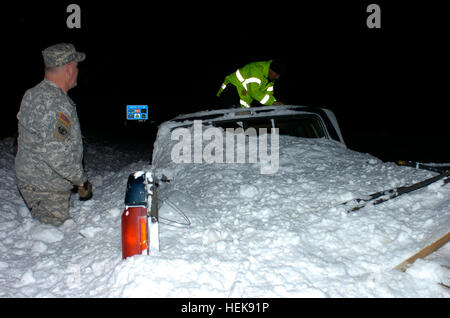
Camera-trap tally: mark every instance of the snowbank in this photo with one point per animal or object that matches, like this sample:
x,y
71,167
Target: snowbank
x,y
250,235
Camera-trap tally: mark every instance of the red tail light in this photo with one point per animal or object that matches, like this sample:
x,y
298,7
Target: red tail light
x,y
134,232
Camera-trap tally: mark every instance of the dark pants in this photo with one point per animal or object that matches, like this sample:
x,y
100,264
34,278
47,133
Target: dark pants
x,y
229,97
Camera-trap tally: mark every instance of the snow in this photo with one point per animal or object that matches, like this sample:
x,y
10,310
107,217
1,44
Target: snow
x,y
47,234
229,231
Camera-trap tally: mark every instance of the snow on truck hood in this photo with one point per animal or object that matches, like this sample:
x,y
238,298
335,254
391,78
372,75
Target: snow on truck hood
x,y
251,234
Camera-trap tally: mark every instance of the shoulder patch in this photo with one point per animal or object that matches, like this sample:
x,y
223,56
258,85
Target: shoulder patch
x,y
61,131
64,119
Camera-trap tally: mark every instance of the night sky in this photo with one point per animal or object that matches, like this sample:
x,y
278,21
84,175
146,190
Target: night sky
x,y
386,86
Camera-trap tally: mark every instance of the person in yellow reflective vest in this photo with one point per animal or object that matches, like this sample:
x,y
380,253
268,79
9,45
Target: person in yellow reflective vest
x,y
252,82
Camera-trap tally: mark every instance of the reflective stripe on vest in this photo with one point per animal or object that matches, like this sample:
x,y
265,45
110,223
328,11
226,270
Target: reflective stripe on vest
x,y
265,99
251,80
244,103
239,76
248,80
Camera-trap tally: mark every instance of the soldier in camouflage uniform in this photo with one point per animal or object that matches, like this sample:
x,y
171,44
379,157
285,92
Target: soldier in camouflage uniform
x,y
50,148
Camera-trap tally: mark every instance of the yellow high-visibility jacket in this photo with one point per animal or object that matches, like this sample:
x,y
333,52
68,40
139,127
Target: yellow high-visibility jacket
x,y
251,82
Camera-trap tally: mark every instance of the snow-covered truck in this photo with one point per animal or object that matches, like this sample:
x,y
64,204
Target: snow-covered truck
x,y
285,176
297,121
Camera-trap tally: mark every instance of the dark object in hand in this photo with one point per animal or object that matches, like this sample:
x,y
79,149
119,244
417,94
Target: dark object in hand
x,y
85,191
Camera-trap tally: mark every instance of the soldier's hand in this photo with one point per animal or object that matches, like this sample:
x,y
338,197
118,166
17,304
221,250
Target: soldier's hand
x,y
85,191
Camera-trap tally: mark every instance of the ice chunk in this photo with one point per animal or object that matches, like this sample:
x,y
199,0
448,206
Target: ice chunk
x,y
47,234
90,231
248,191
39,247
114,212
28,278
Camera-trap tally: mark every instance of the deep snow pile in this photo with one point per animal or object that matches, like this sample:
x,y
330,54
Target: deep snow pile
x,y
253,235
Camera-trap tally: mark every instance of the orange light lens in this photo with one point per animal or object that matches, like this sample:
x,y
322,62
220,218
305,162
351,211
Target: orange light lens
x,y
143,243
134,232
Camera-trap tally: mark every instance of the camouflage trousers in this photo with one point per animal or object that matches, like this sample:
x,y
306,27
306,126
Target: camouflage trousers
x,y
47,207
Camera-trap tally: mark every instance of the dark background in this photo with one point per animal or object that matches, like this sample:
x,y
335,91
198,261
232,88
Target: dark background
x,y
386,86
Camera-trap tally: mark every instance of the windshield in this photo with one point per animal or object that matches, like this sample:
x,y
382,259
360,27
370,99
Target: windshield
x,y
306,126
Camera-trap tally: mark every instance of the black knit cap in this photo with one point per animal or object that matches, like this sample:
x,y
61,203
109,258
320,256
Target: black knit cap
x,y
277,66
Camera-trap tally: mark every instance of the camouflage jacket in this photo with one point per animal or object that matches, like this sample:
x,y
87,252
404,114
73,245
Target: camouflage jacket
x,y
50,146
